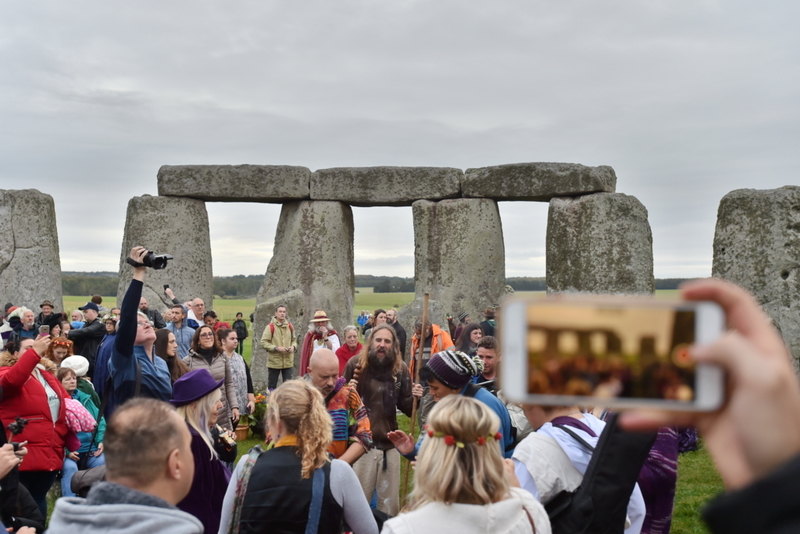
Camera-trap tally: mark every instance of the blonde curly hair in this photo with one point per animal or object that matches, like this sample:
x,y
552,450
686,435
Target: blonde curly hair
x,y
301,409
468,473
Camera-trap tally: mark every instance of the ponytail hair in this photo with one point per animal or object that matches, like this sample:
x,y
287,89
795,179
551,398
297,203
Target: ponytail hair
x,y
301,409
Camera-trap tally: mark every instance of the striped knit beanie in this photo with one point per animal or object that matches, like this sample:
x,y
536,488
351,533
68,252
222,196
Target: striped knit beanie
x,y
453,368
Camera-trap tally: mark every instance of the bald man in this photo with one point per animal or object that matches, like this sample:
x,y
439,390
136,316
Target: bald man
x,y
352,436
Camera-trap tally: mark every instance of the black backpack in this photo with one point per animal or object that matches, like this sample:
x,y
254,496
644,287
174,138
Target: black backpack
x,y
599,505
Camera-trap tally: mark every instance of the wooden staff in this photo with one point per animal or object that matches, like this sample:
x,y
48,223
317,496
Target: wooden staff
x,y
417,362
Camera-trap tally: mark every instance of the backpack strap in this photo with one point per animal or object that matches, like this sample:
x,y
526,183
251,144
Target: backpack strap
x,y
315,510
472,390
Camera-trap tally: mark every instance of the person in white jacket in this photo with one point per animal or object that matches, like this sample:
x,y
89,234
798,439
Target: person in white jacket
x,y
463,484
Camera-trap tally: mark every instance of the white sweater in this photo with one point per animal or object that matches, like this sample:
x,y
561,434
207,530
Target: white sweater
x,y
505,517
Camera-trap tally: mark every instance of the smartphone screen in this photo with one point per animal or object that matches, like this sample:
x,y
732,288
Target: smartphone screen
x,y
618,351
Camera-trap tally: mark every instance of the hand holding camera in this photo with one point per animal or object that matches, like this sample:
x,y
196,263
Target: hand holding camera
x,y
141,257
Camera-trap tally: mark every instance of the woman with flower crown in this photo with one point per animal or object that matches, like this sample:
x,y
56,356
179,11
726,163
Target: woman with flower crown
x,y
463,484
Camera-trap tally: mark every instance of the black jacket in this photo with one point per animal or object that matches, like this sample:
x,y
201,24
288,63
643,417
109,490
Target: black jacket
x,y
87,339
768,506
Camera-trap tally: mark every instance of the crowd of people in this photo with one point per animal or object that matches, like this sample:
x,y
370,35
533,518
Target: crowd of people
x,y
152,403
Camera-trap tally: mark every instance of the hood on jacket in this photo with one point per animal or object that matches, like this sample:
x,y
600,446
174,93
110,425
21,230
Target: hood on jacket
x,y
7,360
115,508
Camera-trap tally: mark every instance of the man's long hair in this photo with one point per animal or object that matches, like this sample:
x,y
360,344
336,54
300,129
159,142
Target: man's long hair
x,y
363,358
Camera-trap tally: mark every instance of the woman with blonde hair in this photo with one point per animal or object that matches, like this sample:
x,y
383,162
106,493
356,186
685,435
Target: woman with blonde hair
x,y
295,484
462,482
197,397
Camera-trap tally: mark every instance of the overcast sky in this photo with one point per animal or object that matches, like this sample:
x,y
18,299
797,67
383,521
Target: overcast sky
x,y
686,100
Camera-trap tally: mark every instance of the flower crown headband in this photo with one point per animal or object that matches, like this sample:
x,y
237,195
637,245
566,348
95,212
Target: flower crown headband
x,y
451,440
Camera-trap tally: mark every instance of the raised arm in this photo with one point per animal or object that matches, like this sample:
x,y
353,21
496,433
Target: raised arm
x,y
126,329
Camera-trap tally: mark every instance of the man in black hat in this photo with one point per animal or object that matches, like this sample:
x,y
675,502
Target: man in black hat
x,y
47,317
88,338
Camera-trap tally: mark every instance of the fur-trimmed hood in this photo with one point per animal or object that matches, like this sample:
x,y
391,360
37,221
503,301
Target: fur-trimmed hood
x,y
7,360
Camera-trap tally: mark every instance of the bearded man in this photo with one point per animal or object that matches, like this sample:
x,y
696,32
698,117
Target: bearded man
x,y
384,384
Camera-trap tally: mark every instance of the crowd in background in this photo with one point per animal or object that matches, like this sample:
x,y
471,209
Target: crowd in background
x,y
134,410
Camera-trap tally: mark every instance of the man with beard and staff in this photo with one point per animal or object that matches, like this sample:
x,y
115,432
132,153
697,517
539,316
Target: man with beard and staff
x,y
384,384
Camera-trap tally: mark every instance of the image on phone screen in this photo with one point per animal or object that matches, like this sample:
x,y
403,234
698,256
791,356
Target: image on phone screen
x,y
611,352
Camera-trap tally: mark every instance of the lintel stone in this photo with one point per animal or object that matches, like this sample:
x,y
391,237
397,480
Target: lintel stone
x,y
537,181
385,186
235,183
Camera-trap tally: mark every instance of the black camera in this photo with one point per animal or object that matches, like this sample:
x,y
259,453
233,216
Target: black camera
x,y
152,260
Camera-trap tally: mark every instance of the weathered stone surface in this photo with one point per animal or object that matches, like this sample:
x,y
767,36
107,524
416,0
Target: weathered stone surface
x,y
175,226
537,181
313,253
757,246
599,243
459,257
235,183
30,267
385,186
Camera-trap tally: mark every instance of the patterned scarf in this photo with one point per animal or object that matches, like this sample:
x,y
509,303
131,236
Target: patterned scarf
x,y
241,488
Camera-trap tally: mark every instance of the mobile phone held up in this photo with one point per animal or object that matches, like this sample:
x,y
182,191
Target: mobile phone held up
x,y
619,352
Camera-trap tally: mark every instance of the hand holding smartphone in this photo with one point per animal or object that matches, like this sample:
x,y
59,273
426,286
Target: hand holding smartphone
x,y
610,351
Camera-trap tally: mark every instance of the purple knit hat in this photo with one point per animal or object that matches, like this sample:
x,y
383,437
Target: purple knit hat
x,y
453,368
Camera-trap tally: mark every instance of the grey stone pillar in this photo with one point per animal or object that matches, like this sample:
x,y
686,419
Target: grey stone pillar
x,y
311,267
757,246
459,258
30,268
175,226
599,243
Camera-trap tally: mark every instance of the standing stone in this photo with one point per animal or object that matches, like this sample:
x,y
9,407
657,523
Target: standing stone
x,y
757,246
313,253
537,181
174,226
459,258
30,267
599,243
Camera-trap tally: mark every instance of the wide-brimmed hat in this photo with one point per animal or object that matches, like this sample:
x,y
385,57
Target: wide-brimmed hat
x,y
47,303
320,317
192,386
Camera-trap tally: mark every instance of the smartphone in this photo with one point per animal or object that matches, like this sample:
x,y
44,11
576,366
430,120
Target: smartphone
x,y
610,351
166,286
44,330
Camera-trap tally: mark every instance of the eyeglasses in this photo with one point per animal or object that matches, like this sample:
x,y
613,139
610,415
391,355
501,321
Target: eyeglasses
x,y
142,325
207,334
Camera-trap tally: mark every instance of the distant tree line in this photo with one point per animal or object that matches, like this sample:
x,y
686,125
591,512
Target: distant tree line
x,y
247,286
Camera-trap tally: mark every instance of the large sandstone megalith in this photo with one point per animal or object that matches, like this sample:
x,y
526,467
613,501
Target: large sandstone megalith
x,y
385,186
757,246
30,267
312,256
537,181
175,226
599,243
235,183
459,258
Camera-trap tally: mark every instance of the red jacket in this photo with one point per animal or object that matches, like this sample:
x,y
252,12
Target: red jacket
x,y
24,396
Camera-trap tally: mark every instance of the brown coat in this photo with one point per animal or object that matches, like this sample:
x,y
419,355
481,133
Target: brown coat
x,y
383,394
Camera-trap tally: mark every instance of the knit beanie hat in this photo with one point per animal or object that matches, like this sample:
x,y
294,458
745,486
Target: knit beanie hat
x,y
453,368
463,315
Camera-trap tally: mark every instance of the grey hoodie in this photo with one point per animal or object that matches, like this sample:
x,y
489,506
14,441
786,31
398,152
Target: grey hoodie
x,y
114,508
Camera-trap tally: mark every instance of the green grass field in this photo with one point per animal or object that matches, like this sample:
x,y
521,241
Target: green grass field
x,y
698,480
